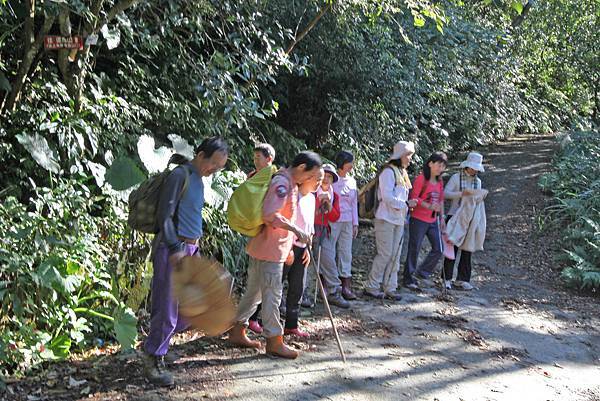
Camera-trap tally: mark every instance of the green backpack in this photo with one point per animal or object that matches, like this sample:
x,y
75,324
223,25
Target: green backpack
x,y
244,210
143,202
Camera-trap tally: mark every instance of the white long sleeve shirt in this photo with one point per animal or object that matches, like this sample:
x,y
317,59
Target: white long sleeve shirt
x,y
392,199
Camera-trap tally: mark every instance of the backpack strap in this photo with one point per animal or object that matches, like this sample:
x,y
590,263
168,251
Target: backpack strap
x,y
186,182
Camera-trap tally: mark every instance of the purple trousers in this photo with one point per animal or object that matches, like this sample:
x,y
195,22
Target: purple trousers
x,y
164,318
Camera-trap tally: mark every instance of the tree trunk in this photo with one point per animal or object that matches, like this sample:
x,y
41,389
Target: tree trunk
x,y
28,58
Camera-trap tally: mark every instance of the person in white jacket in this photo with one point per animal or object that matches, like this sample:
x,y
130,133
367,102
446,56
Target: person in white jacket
x,y
459,186
392,193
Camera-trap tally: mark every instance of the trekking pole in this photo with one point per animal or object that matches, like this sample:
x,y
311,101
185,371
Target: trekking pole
x,y
326,303
442,249
318,267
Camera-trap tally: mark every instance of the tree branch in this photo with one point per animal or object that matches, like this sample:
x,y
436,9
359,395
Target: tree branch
x,y
26,63
63,61
308,28
29,36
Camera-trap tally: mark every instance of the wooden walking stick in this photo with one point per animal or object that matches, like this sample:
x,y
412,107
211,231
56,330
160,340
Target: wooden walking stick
x,y
328,308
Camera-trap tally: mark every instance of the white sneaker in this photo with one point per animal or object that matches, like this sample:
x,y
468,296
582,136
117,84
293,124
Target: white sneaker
x,y
448,284
464,285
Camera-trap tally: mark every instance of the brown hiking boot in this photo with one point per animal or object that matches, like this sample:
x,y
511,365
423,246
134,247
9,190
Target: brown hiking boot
x,y
237,336
156,371
347,288
276,347
337,300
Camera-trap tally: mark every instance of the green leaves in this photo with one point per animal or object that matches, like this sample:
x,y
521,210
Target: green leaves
x,y
517,6
61,346
39,149
125,327
124,174
575,187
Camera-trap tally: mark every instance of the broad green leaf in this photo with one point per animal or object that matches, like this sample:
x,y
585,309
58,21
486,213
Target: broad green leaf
x,y
125,327
61,346
124,174
41,152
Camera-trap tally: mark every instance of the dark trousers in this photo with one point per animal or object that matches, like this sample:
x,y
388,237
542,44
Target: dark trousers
x,y
418,229
464,264
295,278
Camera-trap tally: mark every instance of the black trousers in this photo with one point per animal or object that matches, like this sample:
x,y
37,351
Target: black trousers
x,y
295,277
464,264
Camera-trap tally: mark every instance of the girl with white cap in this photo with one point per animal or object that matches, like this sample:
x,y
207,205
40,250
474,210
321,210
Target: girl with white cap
x,y
392,192
460,185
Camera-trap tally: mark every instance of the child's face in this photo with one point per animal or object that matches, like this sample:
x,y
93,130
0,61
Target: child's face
x,y
327,181
260,161
437,168
312,183
346,168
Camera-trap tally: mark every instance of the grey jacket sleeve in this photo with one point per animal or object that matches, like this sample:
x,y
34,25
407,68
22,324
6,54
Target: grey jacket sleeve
x,y
167,206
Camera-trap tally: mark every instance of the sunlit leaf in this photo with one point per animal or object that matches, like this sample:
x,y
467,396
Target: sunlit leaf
x,y
41,152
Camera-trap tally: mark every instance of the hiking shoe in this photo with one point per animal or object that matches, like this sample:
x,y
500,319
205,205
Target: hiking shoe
x,y
172,357
156,371
393,295
425,282
448,284
296,332
412,286
374,294
337,300
307,303
463,285
254,326
347,288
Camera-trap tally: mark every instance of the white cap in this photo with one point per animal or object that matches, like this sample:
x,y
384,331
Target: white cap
x,y
475,161
402,148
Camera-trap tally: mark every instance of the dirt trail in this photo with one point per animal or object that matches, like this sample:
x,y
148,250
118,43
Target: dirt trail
x,y
520,335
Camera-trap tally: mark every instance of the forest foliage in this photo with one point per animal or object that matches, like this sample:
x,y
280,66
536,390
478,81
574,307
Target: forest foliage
x,y
79,128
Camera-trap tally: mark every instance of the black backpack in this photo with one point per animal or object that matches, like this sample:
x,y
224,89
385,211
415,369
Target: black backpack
x,y
143,201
